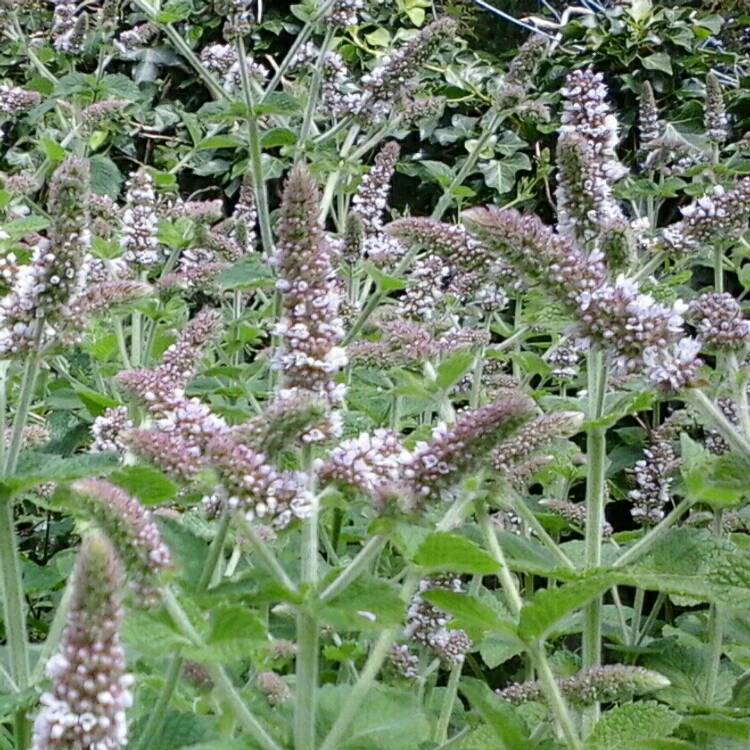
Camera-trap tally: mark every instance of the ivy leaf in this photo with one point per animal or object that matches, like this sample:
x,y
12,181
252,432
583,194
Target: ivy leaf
x,y
441,551
658,61
625,726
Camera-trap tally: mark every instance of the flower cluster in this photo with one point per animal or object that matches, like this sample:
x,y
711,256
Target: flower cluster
x,y
533,435
346,13
610,683
719,321
371,199
14,100
310,328
404,661
135,536
108,430
643,334
68,28
223,60
273,687
574,514
719,216
394,72
715,119
653,478
650,125
428,625
57,272
90,693
253,486
137,37
367,462
140,247
455,449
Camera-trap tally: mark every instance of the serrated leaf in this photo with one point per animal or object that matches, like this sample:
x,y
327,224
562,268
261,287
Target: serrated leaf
x,y
623,727
549,606
367,604
471,613
249,273
441,551
721,726
37,468
106,178
278,103
389,718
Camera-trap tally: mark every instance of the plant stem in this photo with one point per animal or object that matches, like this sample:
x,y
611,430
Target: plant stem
x,y
306,685
156,718
555,697
645,543
446,710
223,684
716,633
313,90
266,556
596,454
367,677
714,417
468,165
333,179
355,568
256,157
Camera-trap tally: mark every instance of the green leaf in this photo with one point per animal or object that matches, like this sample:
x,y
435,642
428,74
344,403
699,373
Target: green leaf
x,y
37,468
278,103
20,228
248,273
378,38
106,178
658,61
451,370
147,483
390,719
52,150
471,614
385,282
220,141
623,727
367,604
501,174
278,137
549,606
721,726
10,703
639,10
507,726
121,86
441,551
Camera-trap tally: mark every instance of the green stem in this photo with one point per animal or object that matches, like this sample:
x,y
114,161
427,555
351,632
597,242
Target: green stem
x,y
635,624
362,687
532,521
468,165
645,543
313,90
333,179
266,556
354,569
158,714
306,685
256,157
222,683
596,454
715,418
555,697
716,633
449,699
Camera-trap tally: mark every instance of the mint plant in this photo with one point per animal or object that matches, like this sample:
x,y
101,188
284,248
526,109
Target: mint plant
x,y
362,389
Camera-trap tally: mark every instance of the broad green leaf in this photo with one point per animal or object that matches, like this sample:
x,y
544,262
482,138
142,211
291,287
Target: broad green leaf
x,y
471,613
12,702
249,273
721,726
390,719
147,483
507,726
623,727
36,468
452,369
549,606
385,282
367,604
449,552
220,141
278,103
106,178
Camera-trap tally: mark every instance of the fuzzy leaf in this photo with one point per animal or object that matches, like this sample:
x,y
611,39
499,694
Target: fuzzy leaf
x,y
148,484
507,726
549,606
453,553
623,727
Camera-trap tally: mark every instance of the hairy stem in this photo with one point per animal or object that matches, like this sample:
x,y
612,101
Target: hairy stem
x,y
596,454
355,568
